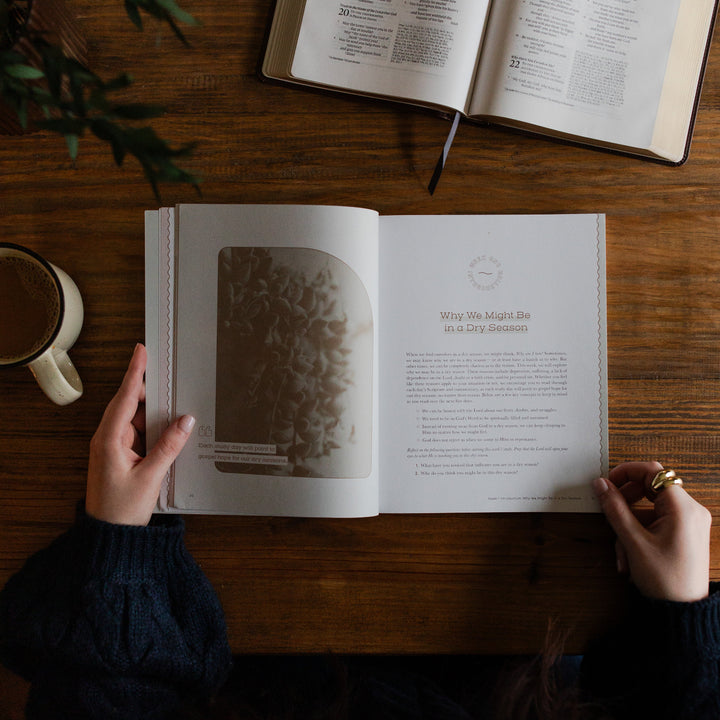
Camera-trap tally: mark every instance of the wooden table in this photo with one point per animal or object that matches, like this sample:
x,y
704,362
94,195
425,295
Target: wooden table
x,y
456,584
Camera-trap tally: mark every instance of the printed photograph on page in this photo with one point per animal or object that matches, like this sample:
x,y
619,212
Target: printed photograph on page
x,y
294,364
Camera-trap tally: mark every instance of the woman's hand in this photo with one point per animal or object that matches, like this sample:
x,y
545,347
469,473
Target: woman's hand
x,y
669,556
123,486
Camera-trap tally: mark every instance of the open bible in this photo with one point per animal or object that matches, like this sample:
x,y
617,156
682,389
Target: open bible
x,y
620,75
340,363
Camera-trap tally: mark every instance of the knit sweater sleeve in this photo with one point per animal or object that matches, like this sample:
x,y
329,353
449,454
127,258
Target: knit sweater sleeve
x,y
663,662
113,621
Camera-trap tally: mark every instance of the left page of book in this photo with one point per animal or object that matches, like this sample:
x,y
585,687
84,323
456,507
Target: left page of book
x,y
274,354
412,51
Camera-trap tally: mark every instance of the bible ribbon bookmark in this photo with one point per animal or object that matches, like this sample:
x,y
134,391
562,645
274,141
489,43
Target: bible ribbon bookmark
x,y
443,155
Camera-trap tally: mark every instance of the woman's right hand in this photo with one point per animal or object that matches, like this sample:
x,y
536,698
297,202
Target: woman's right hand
x,y
667,557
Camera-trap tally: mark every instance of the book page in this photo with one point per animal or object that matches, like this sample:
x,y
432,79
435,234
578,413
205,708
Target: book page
x,y
417,50
589,68
159,301
154,420
493,363
683,78
275,345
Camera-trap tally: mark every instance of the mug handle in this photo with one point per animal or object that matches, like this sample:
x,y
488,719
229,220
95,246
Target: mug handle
x,y
57,376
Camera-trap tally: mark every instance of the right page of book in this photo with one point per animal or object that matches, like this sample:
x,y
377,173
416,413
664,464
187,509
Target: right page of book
x,y
493,380
591,69
416,51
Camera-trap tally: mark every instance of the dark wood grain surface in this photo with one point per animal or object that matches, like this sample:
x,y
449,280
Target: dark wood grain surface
x,y
459,583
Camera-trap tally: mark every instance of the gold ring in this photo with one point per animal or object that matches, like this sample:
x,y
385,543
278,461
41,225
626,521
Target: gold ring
x,y
664,479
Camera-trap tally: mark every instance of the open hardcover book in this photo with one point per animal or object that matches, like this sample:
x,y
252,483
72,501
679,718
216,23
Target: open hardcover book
x,y
621,75
341,364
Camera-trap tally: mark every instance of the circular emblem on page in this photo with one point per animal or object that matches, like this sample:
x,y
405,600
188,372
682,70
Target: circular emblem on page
x,y
485,272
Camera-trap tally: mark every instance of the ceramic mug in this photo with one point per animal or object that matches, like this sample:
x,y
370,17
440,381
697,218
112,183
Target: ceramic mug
x,y
41,313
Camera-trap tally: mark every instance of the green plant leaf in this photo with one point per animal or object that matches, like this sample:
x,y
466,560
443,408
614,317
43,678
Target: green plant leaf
x,y
10,57
72,142
111,133
23,72
63,125
98,101
178,32
177,12
167,10
77,70
77,92
106,130
73,99
133,14
118,152
54,69
22,114
122,81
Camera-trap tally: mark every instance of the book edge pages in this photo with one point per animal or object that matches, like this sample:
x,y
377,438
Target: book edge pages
x,y
159,306
679,100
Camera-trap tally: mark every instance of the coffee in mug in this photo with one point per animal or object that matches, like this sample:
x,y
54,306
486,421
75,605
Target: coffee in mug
x,y
41,314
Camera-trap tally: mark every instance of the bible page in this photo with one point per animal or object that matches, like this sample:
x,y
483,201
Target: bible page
x,y
585,68
421,51
493,380
274,355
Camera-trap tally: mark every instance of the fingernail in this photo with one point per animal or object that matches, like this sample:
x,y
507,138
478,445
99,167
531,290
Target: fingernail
x,y
600,486
186,423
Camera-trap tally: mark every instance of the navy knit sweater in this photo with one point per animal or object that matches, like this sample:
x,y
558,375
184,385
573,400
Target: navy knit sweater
x,y
113,621
119,622
663,662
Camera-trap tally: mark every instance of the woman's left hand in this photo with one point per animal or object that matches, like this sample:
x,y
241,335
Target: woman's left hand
x,y
123,485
